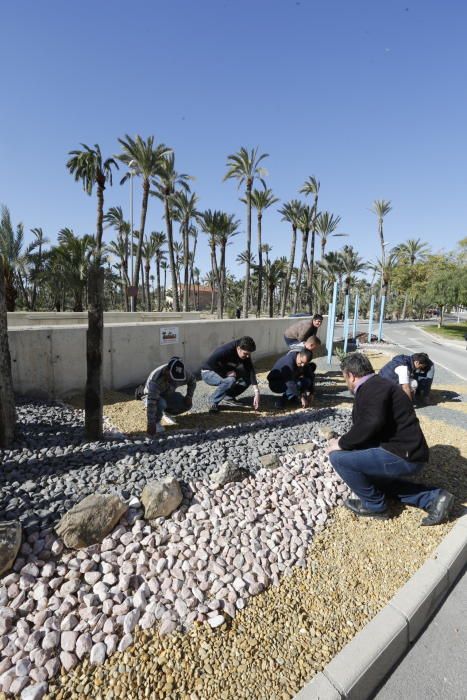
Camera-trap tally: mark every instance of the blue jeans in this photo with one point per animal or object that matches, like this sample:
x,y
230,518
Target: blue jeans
x,y
291,389
290,341
373,474
226,386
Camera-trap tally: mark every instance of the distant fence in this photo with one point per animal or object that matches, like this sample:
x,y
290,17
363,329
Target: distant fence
x,y
50,362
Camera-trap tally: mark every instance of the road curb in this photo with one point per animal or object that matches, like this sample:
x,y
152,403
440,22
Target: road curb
x,y
441,339
357,671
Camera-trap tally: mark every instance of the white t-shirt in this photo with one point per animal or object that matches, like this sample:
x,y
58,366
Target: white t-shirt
x,y
403,373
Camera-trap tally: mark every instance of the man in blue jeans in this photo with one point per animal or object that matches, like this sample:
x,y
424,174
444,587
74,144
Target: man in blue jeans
x,y
231,371
384,444
293,376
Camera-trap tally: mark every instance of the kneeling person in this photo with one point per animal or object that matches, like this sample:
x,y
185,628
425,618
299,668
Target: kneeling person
x,y
293,376
231,370
160,393
414,373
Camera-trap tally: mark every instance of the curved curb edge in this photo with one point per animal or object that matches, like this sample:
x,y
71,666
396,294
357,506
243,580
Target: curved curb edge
x,y
360,667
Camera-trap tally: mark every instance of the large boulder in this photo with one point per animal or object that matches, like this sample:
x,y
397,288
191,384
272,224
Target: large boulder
x,y
161,498
10,542
90,520
229,472
270,461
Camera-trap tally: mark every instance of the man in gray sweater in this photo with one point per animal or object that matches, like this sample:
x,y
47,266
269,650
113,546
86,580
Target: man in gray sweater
x,y
160,393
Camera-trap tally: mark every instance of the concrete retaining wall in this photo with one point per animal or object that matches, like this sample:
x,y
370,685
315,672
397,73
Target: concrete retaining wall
x,y
26,319
51,362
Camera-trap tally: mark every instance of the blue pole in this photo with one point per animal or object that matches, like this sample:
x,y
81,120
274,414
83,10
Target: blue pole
x,y
370,319
355,317
332,323
346,321
381,317
329,325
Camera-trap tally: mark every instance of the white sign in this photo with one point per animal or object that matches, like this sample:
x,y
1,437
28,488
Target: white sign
x,y
169,335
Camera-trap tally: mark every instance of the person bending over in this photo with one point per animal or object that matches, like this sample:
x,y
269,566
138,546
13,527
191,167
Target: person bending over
x,y
160,394
384,445
231,371
414,373
302,330
293,376
312,344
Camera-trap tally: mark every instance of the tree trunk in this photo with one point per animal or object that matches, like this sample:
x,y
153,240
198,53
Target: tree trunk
x,y
158,276
271,301
260,267
289,271
246,288
139,249
186,266
173,268
7,399
300,270
99,223
309,282
147,269
222,279
93,402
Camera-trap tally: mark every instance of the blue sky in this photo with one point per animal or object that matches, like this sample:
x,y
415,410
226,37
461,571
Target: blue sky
x,y
369,96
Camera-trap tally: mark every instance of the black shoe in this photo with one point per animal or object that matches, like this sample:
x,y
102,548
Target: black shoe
x,y
214,408
230,401
439,509
357,507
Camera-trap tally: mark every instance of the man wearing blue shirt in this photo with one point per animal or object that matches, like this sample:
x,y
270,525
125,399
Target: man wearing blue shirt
x,y
293,377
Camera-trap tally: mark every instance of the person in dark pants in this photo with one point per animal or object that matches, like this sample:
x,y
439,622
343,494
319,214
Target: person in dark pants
x,y
414,373
302,330
384,445
231,371
293,376
159,394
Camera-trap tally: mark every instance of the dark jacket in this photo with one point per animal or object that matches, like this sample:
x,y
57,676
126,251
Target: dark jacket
x,y
383,416
285,369
388,371
225,359
301,331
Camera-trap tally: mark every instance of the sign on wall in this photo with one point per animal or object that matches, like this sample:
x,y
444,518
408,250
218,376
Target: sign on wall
x,y
169,335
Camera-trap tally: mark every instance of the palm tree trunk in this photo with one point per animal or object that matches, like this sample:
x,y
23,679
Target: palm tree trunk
x,y
271,301
173,268
139,249
99,223
186,278
260,268
309,282
93,401
7,399
158,276
147,269
300,270
289,270
246,288
222,280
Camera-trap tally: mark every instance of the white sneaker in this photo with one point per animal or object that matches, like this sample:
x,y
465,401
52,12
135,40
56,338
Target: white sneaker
x,y
167,420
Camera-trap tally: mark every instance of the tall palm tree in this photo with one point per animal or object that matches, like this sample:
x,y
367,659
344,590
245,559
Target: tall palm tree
x,y
118,249
326,224
266,249
244,166
184,210
150,247
381,208
11,251
210,224
409,252
291,212
89,167
144,158
115,219
7,398
228,227
193,232
164,267
160,240
75,254
37,259
260,200
274,273
166,180
351,264
311,187
305,223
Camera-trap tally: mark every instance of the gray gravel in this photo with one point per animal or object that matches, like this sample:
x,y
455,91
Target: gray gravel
x,y
51,466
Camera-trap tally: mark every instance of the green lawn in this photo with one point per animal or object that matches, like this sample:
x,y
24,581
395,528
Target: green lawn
x,y
450,330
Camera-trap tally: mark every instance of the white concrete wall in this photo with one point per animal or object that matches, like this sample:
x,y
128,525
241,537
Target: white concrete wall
x,y
27,319
51,362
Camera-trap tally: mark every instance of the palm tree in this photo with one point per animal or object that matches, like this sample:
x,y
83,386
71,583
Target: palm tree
x,y
74,254
274,273
305,222
37,260
410,251
210,224
381,208
166,181
119,250
311,187
266,249
164,267
244,166
159,239
228,227
145,160
150,247
261,200
184,210
351,264
291,212
326,224
7,398
87,165
115,219
11,245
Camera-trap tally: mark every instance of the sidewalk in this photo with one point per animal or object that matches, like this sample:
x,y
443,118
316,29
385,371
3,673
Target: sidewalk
x,y
436,665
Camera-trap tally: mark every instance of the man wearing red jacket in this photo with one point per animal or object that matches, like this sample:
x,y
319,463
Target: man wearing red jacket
x,y
384,445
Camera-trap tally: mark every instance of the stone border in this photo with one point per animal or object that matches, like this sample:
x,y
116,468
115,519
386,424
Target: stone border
x,y
361,666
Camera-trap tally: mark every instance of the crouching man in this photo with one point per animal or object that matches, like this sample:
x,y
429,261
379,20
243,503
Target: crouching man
x,y
384,445
160,394
414,373
293,376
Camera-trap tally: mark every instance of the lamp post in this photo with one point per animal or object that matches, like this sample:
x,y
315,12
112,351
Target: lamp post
x,y
131,164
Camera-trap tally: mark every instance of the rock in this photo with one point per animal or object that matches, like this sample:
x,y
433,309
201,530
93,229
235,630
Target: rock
x,y
35,692
327,433
83,645
68,660
228,473
304,447
90,520
216,621
125,642
270,461
10,542
68,640
98,654
23,666
161,498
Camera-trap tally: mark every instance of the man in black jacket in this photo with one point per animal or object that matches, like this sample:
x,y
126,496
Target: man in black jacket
x,y
231,370
384,443
293,376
